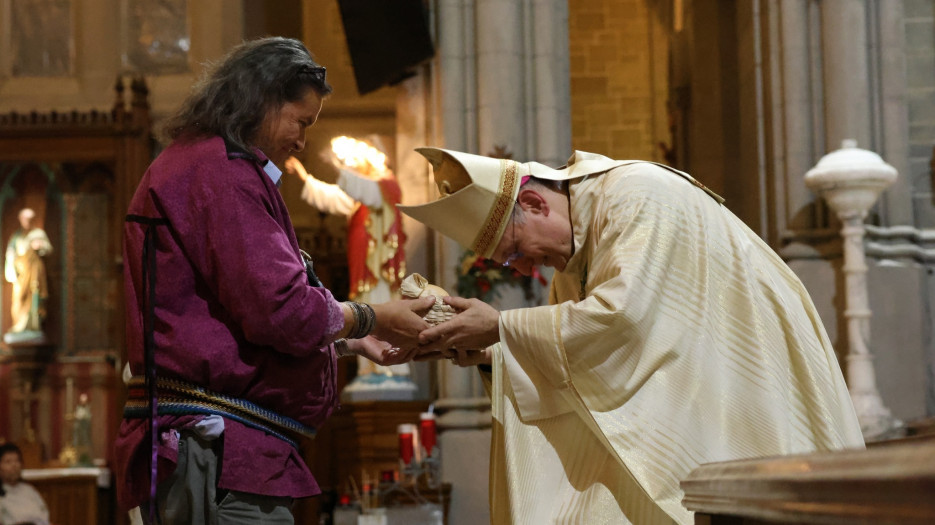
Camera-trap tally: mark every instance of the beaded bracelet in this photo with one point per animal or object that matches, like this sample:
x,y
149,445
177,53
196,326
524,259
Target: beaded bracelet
x,y
365,319
355,326
371,318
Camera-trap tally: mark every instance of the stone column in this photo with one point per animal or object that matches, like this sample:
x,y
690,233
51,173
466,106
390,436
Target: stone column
x,y
797,140
846,71
896,205
548,106
502,68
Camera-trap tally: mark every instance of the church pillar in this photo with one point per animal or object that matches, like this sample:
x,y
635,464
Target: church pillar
x,y
864,73
548,113
896,204
797,136
844,59
502,75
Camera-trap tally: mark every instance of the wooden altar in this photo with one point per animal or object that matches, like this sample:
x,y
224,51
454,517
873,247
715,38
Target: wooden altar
x,y
75,495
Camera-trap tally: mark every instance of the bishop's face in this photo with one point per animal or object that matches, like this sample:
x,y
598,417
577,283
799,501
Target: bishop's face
x,y
540,239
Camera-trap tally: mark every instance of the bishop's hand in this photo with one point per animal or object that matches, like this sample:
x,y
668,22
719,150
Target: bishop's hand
x,y
475,327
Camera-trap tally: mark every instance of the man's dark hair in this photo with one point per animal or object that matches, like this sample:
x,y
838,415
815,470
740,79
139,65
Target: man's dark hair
x,y
5,449
254,79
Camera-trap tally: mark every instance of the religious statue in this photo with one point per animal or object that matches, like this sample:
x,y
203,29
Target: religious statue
x,y
81,432
367,192
26,270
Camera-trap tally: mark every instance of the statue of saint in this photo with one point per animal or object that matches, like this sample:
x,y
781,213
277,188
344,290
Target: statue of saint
x,y
26,270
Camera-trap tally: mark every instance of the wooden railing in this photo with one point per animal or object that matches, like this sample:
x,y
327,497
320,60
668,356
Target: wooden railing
x,y
892,482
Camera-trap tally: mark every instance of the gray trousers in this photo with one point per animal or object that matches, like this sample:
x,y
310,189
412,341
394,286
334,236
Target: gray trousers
x,y
190,495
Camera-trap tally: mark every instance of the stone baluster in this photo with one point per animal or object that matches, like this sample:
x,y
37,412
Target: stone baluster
x,y
850,180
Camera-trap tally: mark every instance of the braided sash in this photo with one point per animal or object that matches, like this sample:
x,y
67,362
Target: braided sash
x,y
181,398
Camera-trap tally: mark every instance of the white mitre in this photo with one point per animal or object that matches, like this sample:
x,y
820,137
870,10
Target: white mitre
x,y
478,193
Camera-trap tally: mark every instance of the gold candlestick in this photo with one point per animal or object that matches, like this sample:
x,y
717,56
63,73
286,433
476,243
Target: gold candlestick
x,y
69,456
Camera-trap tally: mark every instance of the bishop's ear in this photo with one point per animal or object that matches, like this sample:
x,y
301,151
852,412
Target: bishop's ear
x,y
532,201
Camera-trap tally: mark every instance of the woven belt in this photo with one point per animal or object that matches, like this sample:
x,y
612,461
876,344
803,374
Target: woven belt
x,y
180,398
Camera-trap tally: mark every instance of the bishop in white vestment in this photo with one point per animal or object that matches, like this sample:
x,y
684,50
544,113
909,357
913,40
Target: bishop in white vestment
x,y
674,337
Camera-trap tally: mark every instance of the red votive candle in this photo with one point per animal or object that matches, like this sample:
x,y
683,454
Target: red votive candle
x,y
427,429
405,432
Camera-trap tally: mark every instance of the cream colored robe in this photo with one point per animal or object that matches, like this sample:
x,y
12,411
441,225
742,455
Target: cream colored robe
x,y
675,337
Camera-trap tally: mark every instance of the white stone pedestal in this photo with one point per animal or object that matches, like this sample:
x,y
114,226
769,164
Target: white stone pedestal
x,y
850,180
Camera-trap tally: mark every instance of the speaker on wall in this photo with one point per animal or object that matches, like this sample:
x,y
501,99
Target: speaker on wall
x,y
386,40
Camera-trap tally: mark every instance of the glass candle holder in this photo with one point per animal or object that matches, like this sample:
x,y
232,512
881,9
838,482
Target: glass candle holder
x,y
406,433
427,431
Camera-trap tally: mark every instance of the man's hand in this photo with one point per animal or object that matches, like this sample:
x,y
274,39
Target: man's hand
x,y
400,322
380,352
476,326
296,168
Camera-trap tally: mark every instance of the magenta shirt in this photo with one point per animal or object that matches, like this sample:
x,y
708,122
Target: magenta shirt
x,y
234,314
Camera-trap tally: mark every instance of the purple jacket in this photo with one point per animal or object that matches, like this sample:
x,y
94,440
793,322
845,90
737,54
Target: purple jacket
x,y
234,314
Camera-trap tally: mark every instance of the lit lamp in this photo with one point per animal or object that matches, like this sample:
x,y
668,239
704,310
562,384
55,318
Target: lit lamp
x,y
850,180
358,155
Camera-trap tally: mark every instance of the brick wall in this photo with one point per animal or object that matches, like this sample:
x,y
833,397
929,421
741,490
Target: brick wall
x,y
619,81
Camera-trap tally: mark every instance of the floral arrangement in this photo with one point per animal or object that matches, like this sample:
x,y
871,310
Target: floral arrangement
x,y
482,278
